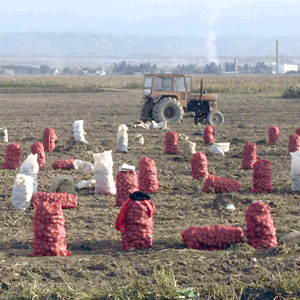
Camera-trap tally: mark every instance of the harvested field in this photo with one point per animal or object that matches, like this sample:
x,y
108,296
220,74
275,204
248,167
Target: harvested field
x,y
97,268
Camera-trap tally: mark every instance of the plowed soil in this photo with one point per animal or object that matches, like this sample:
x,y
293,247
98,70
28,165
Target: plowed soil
x,y
97,262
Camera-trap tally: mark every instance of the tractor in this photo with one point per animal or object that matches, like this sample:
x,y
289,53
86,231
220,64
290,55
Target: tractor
x,y
167,97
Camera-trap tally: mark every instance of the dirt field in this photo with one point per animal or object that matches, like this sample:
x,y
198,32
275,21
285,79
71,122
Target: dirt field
x,y
97,268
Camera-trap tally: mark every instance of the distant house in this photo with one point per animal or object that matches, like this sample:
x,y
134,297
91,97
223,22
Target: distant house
x,y
282,69
56,71
102,72
9,72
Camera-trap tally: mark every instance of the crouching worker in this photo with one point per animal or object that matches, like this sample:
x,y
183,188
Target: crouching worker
x,y
135,222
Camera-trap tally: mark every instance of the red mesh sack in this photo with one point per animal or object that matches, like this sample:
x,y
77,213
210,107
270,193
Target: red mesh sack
x,y
213,237
171,142
147,175
294,142
64,164
274,135
12,156
221,185
260,230
135,222
262,177
199,166
297,131
126,183
38,148
65,199
49,230
208,134
49,139
249,156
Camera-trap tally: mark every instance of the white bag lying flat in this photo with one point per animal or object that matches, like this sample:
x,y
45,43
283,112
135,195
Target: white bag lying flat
x,y
22,191
223,146
86,184
216,150
126,167
82,165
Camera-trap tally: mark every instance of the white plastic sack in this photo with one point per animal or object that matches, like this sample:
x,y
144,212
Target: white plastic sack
x,y
3,135
295,170
122,138
224,146
103,172
30,167
22,191
82,165
291,239
78,131
139,139
189,148
86,184
126,167
216,150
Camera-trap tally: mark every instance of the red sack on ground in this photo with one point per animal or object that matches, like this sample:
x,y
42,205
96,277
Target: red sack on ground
x,y
171,142
38,148
260,230
213,237
249,156
297,131
135,222
12,156
221,185
126,183
65,199
294,142
147,176
64,164
208,134
49,231
49,139
262,177
199,166
274,135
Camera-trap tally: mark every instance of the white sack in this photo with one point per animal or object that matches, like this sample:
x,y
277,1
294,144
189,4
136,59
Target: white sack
x,y
216,150
103,172
295,170
3,135
31,168
22,192
223,146
189,148
78,131
82,165
86,184
122,138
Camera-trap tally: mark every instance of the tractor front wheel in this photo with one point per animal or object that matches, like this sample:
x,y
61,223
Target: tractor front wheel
x,y
168,109
146,111
215,117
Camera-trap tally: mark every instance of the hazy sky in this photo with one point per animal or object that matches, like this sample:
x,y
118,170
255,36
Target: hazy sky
x,y
185,17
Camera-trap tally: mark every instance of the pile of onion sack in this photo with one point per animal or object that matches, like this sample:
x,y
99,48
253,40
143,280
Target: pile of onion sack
x,y
38,148
262,177
126,183
65,199
64,164
294,142
213,237
220,185
49,230
12,156
249,156
147,176
171,142
49,139
199,166
260,232
135,222
208,134
274,135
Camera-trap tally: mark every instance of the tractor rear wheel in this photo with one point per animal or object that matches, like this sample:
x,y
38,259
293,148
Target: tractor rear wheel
x,y
168,109
146,111
215,117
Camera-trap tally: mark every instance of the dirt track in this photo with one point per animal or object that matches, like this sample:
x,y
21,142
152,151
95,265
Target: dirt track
x,y
96,262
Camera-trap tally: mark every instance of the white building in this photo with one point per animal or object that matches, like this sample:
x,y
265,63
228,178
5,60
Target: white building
x,y
282,69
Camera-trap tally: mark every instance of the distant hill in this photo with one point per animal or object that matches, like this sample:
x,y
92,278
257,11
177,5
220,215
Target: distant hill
x,y
134,46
